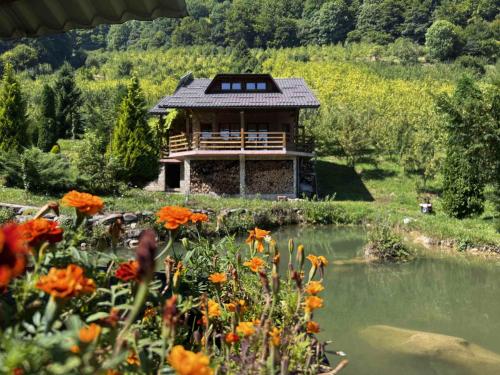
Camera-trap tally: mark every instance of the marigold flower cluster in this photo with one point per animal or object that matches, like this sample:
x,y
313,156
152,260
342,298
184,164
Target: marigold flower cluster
x,y
128,271
84,203
38,231
255,264
257,236
66,282
13,253
173,217
186,362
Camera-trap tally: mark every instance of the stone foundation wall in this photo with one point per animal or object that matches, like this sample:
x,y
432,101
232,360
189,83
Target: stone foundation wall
x,y
215,176
269,177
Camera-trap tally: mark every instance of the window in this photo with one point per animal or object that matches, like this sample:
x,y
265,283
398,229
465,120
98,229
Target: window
x,y
251,86
261,86
236,86
226,86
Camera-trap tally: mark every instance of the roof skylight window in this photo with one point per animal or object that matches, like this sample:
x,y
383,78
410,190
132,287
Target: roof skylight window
x,y
261,86
236,86
226,86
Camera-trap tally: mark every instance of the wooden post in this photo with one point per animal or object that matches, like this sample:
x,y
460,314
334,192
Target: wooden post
x,y
242,129
284,141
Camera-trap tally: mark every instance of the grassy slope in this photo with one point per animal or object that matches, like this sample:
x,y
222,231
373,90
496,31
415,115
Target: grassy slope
x,y
390,193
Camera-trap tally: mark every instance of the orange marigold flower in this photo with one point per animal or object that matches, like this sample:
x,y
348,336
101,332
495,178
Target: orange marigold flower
x,y
133,359
173,216
213,311
38,231
85,203
90,333
315,262
113,372
149,313
255,264
313,302
275,336
231,338
233,306
186,362
13,253
75,349
128,271
314,287
18,371
312,327
66,282
199,218
257,235
245,328
217,278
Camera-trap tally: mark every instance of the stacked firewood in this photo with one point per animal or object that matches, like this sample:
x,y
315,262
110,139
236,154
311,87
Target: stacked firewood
x,y
215,177
269,177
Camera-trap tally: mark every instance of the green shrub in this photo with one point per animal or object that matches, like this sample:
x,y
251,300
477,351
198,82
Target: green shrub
x,y
45,172
443,40
386,245
6,215
97,173
10,169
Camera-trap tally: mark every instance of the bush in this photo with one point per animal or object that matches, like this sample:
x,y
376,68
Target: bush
x,y
386,245
98,173
6,215
443,40
45,172
474,64
10,170
405,51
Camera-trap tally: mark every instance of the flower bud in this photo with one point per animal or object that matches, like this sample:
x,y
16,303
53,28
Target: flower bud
x,y
276,282
291,246
146,251
300,257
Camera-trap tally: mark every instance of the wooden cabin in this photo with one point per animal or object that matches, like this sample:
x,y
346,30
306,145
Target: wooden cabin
x,y
241,136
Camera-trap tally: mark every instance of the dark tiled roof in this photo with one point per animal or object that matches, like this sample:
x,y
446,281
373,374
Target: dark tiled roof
x,y
295,94
20,18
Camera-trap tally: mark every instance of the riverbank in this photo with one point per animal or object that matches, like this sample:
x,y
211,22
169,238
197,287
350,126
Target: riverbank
x,y
350,196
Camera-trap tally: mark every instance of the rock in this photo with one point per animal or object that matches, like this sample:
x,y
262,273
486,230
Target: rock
x,y
133,233
111,218
133,243
49,216
129,217
133,225
433,346
407,220
83,245
23,218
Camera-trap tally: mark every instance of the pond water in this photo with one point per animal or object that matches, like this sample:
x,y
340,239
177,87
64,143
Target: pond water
x,y
435,293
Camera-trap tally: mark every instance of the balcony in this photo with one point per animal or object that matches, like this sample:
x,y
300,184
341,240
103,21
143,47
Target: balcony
x,y
230,143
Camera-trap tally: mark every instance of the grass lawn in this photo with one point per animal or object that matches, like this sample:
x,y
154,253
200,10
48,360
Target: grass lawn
x,y
364,193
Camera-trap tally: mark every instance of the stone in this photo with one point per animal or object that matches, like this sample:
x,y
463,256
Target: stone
x,y
49,216
129,217
433,346
133,243
407,220
110,218
133,233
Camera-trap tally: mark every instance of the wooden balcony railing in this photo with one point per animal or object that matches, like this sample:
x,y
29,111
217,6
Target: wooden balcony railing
x,y
233,140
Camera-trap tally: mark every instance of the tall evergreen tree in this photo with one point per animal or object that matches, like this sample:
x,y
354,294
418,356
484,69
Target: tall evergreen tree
x,y
68,104
131,143
13,119
472,138
47,129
